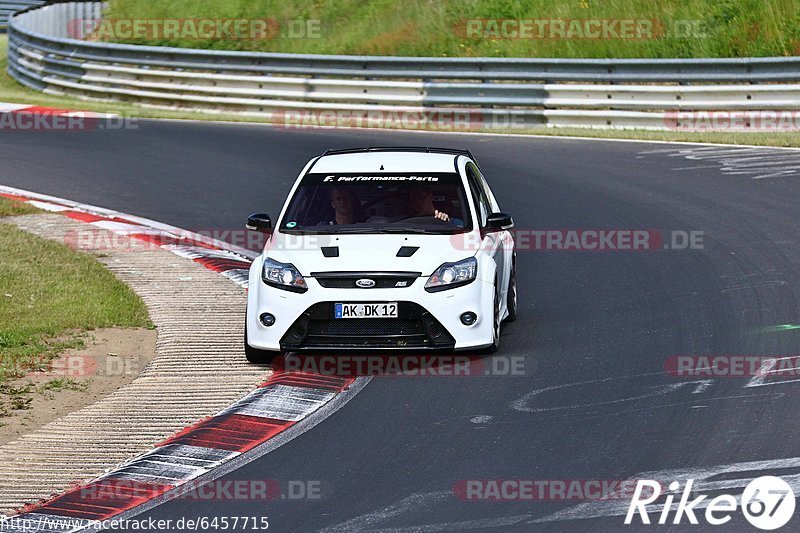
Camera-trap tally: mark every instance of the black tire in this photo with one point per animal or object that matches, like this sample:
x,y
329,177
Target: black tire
x,y
256,356
492,348
511,295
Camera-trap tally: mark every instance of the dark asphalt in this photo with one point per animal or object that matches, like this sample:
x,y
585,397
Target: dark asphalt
x,y
390,457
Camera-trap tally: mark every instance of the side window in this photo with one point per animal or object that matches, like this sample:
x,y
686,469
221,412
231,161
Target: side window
x,y
492,202
482,202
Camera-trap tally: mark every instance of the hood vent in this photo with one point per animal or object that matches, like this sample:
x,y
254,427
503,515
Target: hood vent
x,y
407,251
330,251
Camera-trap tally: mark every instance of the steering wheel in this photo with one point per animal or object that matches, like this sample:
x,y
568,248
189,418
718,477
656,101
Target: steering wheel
x,y
425,217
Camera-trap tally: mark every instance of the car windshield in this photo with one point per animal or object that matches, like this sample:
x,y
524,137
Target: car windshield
x,y
378,203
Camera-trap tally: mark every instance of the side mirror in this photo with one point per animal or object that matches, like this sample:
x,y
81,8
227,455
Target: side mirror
x,y
499,222
259,222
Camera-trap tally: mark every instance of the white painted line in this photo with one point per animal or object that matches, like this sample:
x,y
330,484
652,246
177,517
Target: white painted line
x,y
281,402
737,476
197,252
8,108
47,206
527,402
757,163
240,277
119,227
368,521
768,368
172,464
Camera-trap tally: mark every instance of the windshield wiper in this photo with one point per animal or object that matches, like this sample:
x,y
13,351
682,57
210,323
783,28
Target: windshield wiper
x,y
410,229
333,230
297,231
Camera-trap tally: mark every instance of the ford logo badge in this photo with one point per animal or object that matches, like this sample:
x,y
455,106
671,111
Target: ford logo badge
x,y
365,283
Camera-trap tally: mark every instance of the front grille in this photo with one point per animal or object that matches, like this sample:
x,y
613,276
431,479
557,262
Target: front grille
x,y
383,280
365,326
414,328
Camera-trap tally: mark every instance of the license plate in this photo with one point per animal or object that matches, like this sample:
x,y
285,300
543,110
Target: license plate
x,y
379,310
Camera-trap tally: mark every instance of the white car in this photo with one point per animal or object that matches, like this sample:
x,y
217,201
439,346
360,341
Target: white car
x,y
383,248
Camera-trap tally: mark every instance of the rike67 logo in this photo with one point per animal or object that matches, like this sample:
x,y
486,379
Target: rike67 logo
x,y
767,503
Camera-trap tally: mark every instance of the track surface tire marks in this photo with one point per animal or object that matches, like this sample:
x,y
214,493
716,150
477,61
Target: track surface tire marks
x,y
583,316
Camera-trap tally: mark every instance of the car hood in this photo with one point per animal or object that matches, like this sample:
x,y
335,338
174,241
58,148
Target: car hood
x,y
368,253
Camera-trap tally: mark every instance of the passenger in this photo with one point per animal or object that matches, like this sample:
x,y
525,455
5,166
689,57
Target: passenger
x,y
346,207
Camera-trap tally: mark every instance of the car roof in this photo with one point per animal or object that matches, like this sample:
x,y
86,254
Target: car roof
x,y
386,160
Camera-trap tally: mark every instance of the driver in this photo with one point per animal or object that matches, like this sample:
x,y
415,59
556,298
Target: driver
x,y
421,199
346,207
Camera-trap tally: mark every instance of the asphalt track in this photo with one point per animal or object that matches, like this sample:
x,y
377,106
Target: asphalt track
x,y
594,328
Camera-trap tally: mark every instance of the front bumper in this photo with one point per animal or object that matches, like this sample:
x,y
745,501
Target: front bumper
x,y
317,329
426,321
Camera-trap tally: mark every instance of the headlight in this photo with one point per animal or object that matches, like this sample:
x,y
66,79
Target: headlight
x,y
283,276
451,275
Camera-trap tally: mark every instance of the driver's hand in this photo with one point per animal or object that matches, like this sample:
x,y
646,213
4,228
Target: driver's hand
x,y
441,215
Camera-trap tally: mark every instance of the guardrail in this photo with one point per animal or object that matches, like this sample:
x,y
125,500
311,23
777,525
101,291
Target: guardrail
x,y
483,92
9,7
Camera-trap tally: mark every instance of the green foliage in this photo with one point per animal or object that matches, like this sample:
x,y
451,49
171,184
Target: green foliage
x,y
49,294
717,28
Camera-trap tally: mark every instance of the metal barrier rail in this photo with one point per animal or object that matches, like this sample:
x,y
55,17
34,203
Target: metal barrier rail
x,y
9,7
484,92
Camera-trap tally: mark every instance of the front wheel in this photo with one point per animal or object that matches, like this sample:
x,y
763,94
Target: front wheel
x,y
256,356
511,298
492,348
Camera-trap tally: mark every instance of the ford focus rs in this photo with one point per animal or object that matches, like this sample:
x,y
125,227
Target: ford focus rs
x,y
383,248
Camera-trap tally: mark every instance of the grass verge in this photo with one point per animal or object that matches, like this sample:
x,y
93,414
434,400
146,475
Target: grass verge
x,y
49,295
10,208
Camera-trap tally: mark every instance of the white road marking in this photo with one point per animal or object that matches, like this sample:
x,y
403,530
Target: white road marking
x,y
480,523
7,108
764,285
768,368
744,398
747,471
172,464
524,403
731,478
757,163
695,168
417,502
281,402
47,206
